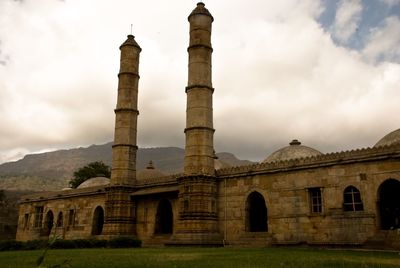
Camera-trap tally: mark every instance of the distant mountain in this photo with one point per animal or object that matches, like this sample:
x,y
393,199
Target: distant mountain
x,y
53,170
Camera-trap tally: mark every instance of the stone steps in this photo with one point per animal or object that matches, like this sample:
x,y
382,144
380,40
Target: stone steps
x,y
157,240
253,239
384,239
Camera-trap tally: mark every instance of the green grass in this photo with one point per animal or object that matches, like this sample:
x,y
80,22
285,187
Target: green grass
x,y
203,257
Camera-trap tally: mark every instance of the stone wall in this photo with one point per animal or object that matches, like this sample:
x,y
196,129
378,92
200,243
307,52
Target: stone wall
x,y
287,199
77,220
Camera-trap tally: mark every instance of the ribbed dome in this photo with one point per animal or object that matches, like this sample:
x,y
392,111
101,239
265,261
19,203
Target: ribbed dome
x,y
294,150
97,181
391,138
149,173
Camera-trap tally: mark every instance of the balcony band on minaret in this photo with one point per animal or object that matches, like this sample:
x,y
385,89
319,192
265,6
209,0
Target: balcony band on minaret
x,y
120,215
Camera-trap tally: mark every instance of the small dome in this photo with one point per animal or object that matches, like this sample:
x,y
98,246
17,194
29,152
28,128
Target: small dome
x,y
294,150
97,181
391,138
66,189
149,173
218,164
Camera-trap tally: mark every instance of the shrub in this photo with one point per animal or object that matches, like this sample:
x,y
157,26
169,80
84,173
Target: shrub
x,y
120,242
124,242
10,245
61,243
99,243
34,244
83,243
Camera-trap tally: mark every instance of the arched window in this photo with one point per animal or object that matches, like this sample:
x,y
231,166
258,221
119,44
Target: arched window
x,y
256,213
389,204
60,220
98,221
164,218
48,223
352,199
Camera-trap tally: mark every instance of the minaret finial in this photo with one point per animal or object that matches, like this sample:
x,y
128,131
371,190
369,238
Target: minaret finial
x,y
131,28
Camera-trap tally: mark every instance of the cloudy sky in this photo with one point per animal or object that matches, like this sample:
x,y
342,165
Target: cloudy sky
x,y
326,72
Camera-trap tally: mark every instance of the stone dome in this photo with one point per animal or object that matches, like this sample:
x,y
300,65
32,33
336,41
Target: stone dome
x,y
294,150
218,164
66,189
149,173
391,138
97,181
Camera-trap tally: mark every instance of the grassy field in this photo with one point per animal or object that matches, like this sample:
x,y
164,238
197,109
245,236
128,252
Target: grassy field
x,y
203,257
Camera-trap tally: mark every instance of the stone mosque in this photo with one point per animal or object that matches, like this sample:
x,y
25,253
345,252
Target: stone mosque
x,y
297,195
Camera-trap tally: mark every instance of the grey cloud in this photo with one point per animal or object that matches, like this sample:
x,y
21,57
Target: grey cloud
x,y
277,76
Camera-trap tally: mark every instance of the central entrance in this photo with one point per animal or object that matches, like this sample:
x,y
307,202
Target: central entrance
x,y
164,218
256,213
389,204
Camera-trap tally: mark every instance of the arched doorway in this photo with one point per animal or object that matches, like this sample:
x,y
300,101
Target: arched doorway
x,y
389,204
48,224
256,213
60,220
98,221
164,218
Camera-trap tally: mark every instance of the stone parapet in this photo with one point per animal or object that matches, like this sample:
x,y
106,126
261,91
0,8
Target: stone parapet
x,y
344,157
72,193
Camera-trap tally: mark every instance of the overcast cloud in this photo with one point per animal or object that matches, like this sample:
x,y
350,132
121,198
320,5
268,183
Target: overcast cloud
x,y
281,71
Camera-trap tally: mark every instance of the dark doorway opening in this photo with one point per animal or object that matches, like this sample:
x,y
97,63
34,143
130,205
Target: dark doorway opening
x,y
164,218
48,223
98,221
60,220
389,204
256,213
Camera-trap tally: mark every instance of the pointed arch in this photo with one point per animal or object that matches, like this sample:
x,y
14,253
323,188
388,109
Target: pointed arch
x,y
98,221
164,218
389,204
256,213
48,223
60,220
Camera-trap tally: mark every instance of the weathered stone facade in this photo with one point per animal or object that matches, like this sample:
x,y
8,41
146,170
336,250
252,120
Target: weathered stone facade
x,y
298,195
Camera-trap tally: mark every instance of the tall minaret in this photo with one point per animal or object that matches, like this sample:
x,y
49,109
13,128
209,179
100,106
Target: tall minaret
x,y
199,149
126,113
119,216
197,222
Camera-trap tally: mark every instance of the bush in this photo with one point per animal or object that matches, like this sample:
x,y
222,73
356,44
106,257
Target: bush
x,y
99,243
35,244
120,242
124,242
61,243
10,245
83,243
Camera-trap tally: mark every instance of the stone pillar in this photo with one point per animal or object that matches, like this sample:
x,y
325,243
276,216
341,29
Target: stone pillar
x,y
197,223
120,209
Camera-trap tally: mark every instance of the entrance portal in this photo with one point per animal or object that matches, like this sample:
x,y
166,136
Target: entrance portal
x,y
164,218
48,223
256,213
98,221
389,204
